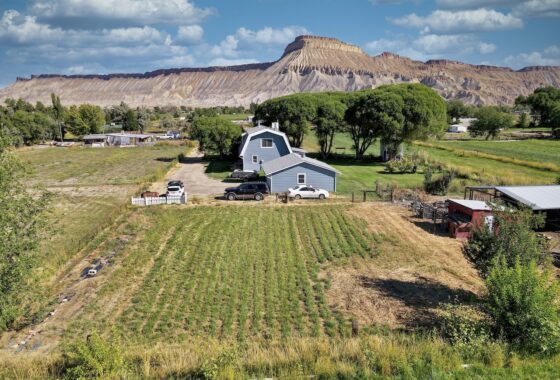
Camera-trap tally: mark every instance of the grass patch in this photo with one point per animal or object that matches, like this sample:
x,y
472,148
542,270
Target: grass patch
x,y
219,169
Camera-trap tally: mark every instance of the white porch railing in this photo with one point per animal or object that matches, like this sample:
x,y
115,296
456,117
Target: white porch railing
x,y
148,201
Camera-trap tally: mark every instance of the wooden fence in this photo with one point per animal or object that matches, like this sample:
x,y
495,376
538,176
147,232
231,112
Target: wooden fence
x,y
149,201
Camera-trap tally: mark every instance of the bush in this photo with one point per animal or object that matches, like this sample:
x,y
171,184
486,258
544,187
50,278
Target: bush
x,y
438,185
404,165
465,328
513,242
523,302
94,358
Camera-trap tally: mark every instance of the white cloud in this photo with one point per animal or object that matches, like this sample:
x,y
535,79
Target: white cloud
x,y
190,34
385,45
467,4
271,36
486,48
431,46
478,20
538,8
548,57
245,42
18,29
140,12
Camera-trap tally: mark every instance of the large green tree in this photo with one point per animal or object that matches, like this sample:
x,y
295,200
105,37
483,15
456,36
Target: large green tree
x,y
21,222
74,122
294,113
371,115
328,122
58,114
542,103
489,122
92,116
215,135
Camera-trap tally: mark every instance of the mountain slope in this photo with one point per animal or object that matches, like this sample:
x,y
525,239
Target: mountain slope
x,y
309,64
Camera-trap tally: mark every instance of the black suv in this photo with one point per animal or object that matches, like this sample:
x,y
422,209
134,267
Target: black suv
x,y
248,190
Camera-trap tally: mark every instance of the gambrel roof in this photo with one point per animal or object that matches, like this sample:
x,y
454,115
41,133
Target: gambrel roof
x,y
255,131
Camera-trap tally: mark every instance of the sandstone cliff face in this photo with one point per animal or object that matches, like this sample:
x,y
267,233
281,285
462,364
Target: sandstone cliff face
x,y
309,64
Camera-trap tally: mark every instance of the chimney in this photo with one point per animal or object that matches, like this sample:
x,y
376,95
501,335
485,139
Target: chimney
x,y
275,126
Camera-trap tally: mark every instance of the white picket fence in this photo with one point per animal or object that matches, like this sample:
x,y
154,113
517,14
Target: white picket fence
x,y
148,201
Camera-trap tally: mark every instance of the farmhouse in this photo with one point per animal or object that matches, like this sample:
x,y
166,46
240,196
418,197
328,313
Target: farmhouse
x,y
293,169
262,144
464,215
269,149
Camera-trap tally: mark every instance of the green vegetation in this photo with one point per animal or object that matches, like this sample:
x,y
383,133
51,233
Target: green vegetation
x,y
392,113
89,188
21,225
523,300
216,136
544,104
539,152
205,283
489,122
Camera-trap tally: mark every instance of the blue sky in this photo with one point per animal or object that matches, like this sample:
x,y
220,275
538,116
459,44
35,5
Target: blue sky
x,y
107,36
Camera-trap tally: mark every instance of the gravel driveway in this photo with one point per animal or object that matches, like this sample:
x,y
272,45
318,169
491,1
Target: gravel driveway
x,y
192,172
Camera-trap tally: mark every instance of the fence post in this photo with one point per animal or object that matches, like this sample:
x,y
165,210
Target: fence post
x,y
365,194
352,197
145,201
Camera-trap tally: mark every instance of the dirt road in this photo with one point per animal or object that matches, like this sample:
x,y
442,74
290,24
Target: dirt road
x,y
192,172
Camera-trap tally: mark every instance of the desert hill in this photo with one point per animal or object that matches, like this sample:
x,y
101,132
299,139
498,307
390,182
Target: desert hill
x,y
309,64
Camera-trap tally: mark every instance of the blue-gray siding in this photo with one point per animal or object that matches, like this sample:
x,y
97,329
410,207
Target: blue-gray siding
x,y
279,148
315,176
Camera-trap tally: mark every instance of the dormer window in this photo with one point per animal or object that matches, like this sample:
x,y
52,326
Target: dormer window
x,y
266,143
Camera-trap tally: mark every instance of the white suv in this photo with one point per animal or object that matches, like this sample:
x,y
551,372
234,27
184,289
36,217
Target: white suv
x,y
175,188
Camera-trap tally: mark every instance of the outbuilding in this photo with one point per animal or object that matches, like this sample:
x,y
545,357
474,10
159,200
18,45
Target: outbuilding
x,y
293,169
130,139
465,215
95,140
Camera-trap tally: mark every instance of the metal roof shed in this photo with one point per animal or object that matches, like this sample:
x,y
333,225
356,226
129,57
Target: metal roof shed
x,y
538,198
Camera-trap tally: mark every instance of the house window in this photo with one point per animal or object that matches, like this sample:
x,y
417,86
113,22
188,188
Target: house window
x,y
266,143
255,159
301,178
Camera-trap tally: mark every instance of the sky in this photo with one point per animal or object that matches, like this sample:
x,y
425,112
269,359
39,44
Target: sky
x,y
115,36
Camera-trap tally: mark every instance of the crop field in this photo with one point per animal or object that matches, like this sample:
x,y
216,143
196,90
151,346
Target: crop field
x,y
228,271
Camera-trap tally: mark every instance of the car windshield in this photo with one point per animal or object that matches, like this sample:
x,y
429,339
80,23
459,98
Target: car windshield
x,y
173,188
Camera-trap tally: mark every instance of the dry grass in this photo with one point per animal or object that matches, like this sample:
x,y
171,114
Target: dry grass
x,y
414,272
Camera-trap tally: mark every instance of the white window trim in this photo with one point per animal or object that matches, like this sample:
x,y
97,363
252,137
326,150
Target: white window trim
x,y
255,159
304,179
267,147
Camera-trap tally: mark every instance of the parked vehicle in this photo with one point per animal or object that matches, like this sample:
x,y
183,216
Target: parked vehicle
x,y
245,175
248,190
307,192
175,188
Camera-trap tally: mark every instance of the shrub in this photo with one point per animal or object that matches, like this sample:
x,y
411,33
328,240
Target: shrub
x,y
94,358
438,185
514,241
523,302
404,165
467,329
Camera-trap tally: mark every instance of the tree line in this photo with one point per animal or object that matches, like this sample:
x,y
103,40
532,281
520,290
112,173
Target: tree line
x,y
392,114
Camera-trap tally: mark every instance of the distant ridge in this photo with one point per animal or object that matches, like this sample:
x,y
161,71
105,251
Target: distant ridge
x,y
308,64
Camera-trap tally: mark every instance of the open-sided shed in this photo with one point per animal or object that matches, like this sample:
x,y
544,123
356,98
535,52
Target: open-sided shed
x,y
465,215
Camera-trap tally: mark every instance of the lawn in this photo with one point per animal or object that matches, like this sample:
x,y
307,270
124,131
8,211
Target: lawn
x,y
204,271
236,116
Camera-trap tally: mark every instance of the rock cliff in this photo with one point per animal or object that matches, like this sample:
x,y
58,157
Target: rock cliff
x,y
309,64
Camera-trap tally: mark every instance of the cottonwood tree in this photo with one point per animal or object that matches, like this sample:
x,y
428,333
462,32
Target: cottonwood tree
x,y
424,112
58,113
328,122
372,115
92,116
21,223
543,102
215,135
489,122
294,113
